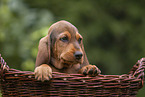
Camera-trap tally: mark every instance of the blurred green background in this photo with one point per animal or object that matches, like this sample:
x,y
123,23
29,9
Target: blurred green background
x,y
113,30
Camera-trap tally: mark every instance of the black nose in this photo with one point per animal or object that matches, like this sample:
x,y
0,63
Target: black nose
x,y
78,55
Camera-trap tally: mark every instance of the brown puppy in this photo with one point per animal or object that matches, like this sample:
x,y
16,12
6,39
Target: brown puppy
x,y
62,51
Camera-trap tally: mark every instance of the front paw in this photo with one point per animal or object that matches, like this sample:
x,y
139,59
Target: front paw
x,y
43,72
90,70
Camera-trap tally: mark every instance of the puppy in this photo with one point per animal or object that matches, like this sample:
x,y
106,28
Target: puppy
x,y
62,50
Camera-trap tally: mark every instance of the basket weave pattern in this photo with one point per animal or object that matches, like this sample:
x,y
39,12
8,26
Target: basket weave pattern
x,y
22,83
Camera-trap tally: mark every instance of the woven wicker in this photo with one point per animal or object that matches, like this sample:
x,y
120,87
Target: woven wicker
x,y
22,83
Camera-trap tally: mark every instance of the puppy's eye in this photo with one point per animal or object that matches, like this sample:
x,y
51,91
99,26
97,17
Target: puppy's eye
x,y
80,40
64,39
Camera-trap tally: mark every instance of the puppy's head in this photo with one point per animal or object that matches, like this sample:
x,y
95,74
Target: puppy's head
x,y
64,45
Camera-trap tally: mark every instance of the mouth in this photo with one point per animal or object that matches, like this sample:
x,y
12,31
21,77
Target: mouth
x,y
69,62
67,65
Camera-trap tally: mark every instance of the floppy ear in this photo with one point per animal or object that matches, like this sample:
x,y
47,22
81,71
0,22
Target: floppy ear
x,y
43,56
85,62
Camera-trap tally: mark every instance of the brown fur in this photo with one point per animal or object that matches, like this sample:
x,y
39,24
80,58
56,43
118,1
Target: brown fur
x,y
57,53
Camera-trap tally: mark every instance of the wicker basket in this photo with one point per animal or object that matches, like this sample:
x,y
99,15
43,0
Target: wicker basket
x,y
22,83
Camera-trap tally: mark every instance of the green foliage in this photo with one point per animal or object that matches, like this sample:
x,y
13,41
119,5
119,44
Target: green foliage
x,y
21,28
113,31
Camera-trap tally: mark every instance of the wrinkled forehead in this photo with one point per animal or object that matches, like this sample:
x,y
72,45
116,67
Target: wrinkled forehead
x,y
62,26
59,28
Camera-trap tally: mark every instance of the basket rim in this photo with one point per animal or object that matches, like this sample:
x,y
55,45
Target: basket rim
x,y
16,82
136,73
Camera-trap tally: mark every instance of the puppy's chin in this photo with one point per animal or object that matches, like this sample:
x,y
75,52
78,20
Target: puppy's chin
x,y
71,62
62,63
